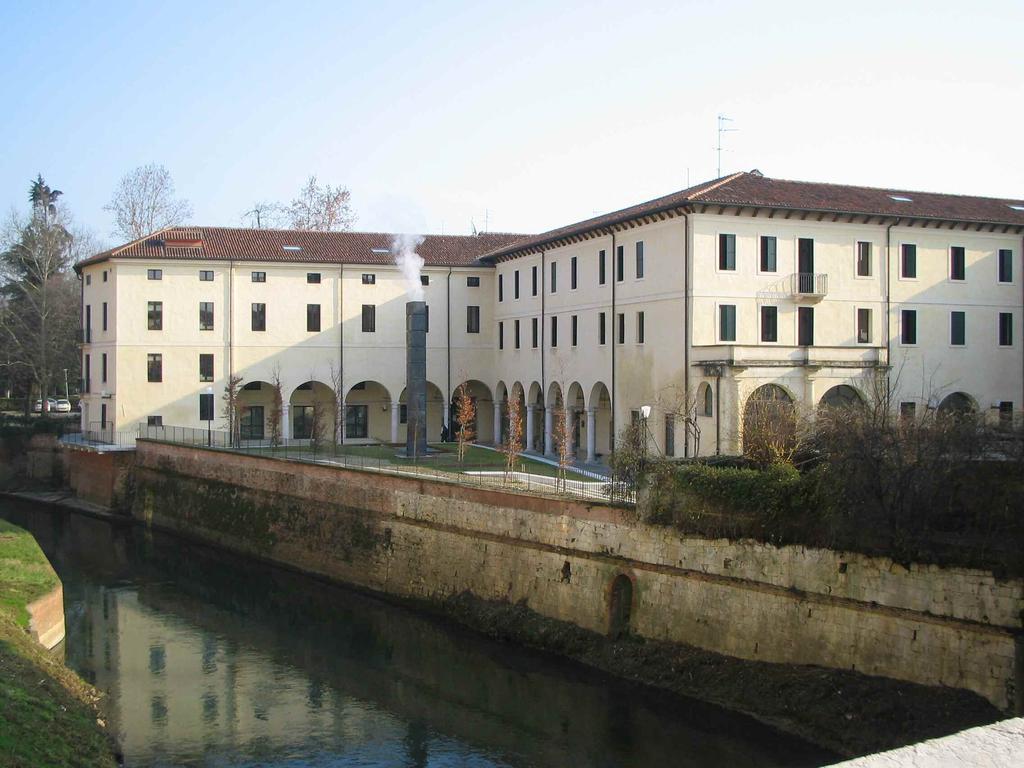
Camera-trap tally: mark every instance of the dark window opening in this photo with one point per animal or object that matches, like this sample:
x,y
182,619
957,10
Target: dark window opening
x,y
154,368
155,315
206,368
472,319
769,253
312,318
206,316
259,317
369,318
727,252
769,324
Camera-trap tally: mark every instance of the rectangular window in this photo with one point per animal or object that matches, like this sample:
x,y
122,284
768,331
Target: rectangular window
x,y
957,328
403,414
769,253
1005,265
572,273
769,324
601,333
369,278
105,275
554,277
369,318
573,328
312,318
250,425
313,277
805,326
1006,329
426,318
259,277
536,332
554,331
151,274
473,281
727,322
908,260
517,337
259,317
104,316
622,328
908,326
533,281
206,406
88,323
908,410
206,316
206,275
206,367
472,319
805,255
155,315
88,279
154,368
357,421
957,263
501,335
424,279
103,368
88,374
670,435
154,421
727,252
515,284
601,274
863,259
620,266
639,259
639,327
863,326
1006,412
501,287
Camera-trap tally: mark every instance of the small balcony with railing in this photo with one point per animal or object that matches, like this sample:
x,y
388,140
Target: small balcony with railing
x,y
808,286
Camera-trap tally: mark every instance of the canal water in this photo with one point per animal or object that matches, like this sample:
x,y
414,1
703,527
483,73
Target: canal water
x,y
209,659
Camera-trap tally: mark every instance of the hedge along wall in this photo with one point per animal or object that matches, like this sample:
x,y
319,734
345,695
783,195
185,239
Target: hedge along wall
x,y
431,540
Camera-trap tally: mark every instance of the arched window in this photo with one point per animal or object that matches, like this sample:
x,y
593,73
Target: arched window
x,y
708,401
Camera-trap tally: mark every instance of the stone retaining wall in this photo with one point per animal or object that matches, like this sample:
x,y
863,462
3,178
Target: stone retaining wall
x,y
430,540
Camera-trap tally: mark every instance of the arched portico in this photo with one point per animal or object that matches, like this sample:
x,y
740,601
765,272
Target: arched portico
x,y
482,425
534,418
311,416
435,413
769,410
552,412
841,396
576,404
257,406
370,413
958,404
599,422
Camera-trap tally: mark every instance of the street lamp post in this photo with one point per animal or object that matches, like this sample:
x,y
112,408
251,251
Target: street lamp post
x,y
645,411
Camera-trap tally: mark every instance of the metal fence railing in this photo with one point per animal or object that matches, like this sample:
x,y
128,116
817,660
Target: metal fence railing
x,y
527,475
98,435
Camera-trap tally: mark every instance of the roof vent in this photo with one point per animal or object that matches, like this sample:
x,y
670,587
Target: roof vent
x,y
292,247
900,199
756,172
380,250
183,242
1017,207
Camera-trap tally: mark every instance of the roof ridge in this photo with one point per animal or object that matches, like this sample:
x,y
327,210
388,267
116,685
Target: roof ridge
x,y
716,184
890,189
117,249
322,232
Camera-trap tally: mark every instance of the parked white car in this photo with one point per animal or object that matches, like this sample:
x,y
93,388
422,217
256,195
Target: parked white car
x,y
63,406
51,405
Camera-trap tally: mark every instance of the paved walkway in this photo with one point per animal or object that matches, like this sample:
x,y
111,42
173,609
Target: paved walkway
x,y
1000,745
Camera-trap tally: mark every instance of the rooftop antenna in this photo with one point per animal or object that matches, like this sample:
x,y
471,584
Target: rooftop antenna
x,y
722,128
487,220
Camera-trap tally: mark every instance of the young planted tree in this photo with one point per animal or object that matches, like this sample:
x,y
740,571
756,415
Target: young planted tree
x,y
465,412
339,405
318,425
681,407
274,419
232,408
514,444
144,202
562,437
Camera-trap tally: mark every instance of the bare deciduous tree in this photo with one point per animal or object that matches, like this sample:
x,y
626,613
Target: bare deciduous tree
x,y
674,401
514,444
563,440
233,408
321,207
466,414
339,404
276,406
265,215
144,202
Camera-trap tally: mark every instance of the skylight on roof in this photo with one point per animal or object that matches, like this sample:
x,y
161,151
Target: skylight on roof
x,y
292,247
380,250
1017,207
901,199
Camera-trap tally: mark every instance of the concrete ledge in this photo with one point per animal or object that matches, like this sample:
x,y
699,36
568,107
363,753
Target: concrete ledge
x,y
46,618
1000,745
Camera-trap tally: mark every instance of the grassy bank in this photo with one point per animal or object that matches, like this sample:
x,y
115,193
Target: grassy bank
x,y
47,713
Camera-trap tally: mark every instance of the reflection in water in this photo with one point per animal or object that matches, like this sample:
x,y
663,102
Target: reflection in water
x,y
210,660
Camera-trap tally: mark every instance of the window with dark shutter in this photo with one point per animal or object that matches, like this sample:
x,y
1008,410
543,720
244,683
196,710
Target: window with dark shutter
x,y
957,263
622,327
206,367
727,252
501,287
620,265
769,324
908,326
517,338
154,368
554,331
863,326
473,281
1005,265
206,406
369,318
601,275
1006,329
313,277
155,315
639,327
572,273
312,318
501,335
573,328
206,316
554,277
863,259
259,317
908,260
369,278
601,333
727,322
535,332
639,259
472,319
769,253
805,326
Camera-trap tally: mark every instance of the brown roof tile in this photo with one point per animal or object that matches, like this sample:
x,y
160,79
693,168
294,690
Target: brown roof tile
x,y
755,190
268,245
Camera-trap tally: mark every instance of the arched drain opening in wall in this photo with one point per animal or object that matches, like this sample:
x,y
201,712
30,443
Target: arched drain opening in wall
x,y
620,606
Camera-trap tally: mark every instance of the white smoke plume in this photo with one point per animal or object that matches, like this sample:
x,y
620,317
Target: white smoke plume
x,y
403,247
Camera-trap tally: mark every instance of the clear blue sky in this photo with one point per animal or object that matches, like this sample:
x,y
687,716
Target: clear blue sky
x,y
541,113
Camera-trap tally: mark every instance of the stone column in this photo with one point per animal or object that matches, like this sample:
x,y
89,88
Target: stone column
x,y
591,435
497,422
396,409
570,432
286,421
549,437
530,409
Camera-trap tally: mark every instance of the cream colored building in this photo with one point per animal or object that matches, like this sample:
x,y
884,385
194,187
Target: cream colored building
x,y
692,303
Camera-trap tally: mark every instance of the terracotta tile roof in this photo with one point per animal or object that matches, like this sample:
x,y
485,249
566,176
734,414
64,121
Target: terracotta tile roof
x,y
756,190
270,245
